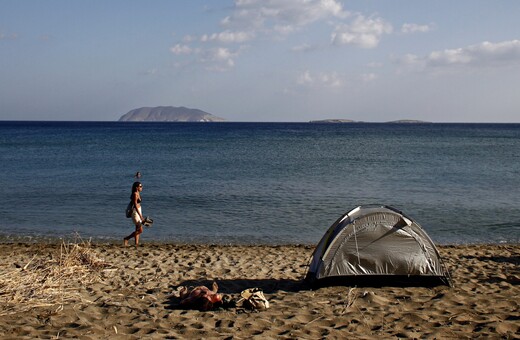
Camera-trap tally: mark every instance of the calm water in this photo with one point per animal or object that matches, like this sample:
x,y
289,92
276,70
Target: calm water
x,y
267,183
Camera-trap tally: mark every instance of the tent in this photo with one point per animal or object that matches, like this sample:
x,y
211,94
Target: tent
x,y
376,245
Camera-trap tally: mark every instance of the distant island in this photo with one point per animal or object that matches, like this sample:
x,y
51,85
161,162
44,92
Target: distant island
x,y
341,121
333,121
409,121
169,114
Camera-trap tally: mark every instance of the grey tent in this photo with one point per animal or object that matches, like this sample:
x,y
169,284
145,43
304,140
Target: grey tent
x,y
376,245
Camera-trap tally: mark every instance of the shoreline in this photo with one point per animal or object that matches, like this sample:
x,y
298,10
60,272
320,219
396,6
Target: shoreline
x,y
132,297
30,239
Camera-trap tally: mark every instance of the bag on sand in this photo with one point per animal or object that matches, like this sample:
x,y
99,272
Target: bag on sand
x,y
129,209
253,299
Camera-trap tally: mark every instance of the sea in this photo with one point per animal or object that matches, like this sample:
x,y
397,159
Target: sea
x,y
255,183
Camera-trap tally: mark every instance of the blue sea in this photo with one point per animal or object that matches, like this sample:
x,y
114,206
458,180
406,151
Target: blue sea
x,y
250,183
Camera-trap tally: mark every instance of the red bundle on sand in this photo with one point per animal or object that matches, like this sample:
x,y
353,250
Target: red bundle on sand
x,y
200,297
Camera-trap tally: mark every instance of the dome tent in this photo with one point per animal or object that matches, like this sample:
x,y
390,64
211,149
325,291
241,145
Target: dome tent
x,y
376,245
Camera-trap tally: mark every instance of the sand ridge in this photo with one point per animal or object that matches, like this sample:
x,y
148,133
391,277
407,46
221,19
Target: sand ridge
x,y
134,298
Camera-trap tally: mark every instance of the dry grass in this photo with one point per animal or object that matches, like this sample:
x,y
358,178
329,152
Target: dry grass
x,y
350,300
47,281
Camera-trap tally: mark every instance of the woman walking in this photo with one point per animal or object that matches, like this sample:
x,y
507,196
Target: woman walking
x,y
137,215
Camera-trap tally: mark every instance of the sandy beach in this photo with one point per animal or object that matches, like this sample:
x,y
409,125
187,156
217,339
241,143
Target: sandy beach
x,y
131,295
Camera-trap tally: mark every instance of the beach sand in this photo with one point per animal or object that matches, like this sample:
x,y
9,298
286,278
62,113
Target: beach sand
x,y
132,297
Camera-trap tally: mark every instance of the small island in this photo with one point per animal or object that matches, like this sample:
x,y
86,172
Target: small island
x,y
333,121
169,114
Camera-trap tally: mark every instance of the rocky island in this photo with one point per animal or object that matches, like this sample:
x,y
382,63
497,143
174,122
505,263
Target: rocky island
x,y
169,114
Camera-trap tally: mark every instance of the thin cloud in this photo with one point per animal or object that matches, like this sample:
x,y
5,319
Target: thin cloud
x,y
363,32
181,49
375,65
303,48
8,36
282,15
415,28
485,54
368,77
305,79
308,79
228,37
218,59
189,38
215,59
150,72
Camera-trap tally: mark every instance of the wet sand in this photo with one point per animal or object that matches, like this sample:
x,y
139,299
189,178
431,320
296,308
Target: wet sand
x,y
132,297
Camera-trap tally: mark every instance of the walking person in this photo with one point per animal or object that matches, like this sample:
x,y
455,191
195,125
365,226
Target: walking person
x,y
137,215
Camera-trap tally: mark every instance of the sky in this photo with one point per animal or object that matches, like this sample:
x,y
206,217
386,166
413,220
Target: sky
x,y
262,60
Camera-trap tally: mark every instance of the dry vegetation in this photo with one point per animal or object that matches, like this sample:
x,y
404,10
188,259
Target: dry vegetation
x,y
47,281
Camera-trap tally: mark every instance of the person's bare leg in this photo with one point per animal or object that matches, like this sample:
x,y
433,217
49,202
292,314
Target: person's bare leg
x,y
138,232
125,240
132,235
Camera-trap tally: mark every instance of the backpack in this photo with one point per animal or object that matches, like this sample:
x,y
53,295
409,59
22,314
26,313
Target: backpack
x,y
253,299
129,209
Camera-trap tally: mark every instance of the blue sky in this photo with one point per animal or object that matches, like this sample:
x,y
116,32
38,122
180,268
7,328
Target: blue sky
x,y
262,60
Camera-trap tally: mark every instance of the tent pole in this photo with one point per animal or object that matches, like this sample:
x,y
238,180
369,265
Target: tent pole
x,y
357,249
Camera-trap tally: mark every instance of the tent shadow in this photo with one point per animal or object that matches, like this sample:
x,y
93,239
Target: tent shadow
x,y
499,259
235,286
382,281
